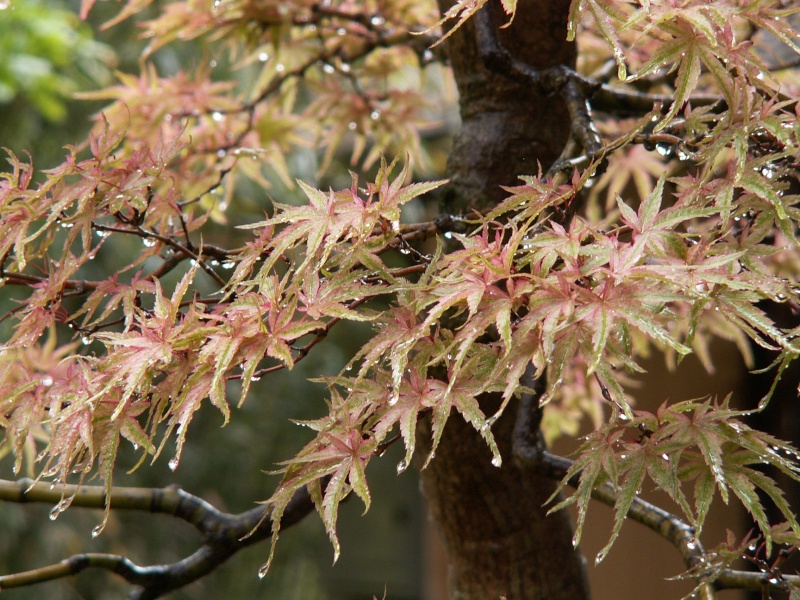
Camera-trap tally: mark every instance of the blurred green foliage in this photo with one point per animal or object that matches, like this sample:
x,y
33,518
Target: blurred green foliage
x,y
46,55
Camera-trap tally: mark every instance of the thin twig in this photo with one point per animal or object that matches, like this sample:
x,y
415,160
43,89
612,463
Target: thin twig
x,y
223,534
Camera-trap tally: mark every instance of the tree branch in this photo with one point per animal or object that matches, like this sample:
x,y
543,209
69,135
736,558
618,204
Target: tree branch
x,y
529,451
223,534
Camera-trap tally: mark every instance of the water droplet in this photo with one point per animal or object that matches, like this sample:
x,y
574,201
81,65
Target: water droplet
x,y
427,55
228,265
217,116
149,243
328,68
47,381
280,67
98,530
263,56
377,21
375,115
54,512
402,466
351,125
691,544
497,461
341,31
345,68
173,463
220,153
212,63
664,149
86,340
262,572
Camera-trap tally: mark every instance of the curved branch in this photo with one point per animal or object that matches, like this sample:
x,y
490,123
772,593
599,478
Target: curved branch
x,y
223,534
679,533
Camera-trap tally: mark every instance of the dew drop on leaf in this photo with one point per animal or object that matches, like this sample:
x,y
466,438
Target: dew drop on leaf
x,y
97,530
262,571
402,466
497,461
173,463
691,544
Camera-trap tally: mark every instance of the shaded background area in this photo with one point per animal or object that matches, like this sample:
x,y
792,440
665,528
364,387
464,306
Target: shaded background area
x,y
394,548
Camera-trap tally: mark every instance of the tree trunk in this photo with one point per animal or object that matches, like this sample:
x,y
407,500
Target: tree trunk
x,y
499,540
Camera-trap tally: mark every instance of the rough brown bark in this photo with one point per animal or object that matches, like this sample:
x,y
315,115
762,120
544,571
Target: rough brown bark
x,y
508,129
499,540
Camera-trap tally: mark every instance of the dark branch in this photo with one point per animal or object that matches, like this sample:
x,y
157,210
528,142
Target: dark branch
x,y
529,452
223,534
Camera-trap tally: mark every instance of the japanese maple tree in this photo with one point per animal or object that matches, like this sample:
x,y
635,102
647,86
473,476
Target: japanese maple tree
x,y
637,195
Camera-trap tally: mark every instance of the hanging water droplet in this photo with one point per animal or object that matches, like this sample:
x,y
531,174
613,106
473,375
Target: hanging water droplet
x,y
98,530
402,466
280,67
148,243
262,571
497,461
691,544
664,149
173,463
217,116
377,21
47,381
427,55
54,512
263,56
375,115
345,68
86,341
328,68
